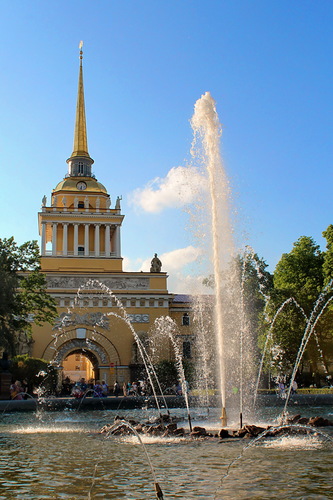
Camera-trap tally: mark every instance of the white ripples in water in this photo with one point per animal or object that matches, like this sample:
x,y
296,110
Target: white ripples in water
x,y
46,430
152,439
295,442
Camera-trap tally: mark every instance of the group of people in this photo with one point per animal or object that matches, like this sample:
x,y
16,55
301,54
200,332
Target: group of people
x,y
282,388
97,389
18,390
138,388
101,389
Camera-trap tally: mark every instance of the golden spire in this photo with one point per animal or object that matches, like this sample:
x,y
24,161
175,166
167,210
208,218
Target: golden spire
x,y
80,147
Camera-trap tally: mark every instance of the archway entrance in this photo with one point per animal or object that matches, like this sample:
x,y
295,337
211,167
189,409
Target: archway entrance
x,y
80,364
74,349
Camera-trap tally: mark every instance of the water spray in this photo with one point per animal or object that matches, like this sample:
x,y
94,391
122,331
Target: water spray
x,y
207,131
224,419
120,423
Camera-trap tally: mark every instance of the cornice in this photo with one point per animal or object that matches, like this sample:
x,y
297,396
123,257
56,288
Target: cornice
x,y
68,216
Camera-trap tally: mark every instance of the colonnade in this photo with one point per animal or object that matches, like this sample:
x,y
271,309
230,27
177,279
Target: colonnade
x,y
64,251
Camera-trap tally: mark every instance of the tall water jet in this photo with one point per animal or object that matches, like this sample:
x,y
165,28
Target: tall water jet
x,y
206,144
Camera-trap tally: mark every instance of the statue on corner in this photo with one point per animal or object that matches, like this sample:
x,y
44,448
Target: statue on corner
x,y
156,265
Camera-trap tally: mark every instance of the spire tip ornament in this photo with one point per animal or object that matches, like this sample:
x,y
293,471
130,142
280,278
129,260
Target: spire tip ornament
x,y
80,161
81,51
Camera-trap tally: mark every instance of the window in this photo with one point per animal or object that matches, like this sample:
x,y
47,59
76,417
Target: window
x,y
186,319
80,250
187,350
80,167
80,204
142,302
77,357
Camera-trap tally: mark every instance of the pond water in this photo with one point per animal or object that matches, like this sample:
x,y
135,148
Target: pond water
x,y
62,456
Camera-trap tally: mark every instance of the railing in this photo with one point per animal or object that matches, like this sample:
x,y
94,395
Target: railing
x,y
72,210
49,253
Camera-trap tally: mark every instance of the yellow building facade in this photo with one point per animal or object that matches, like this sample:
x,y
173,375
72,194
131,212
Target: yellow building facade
x,y
102,310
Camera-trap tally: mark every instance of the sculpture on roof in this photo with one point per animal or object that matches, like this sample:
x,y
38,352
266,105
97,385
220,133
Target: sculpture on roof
x,y
117,207
156,265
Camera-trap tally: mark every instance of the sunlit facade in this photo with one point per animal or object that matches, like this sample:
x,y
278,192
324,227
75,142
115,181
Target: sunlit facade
x,y
101,308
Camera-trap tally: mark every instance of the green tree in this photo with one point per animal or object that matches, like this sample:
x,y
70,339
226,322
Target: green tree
x,y
36,372
298,274
246,286
168,375
255,284
328,255
166,372
326,321
23,296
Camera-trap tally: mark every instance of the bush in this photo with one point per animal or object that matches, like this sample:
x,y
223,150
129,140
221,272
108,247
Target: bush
x,y
168,375
36,372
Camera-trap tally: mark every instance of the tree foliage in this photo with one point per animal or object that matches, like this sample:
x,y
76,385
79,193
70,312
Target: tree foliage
x,y
23,297
256,283
328,255
168,375
299,275
35,372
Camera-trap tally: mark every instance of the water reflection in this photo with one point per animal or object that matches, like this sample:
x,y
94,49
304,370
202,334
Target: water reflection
x,y
62,456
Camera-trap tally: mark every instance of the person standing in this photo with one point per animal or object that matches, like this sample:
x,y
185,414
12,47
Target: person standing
x,y
105,389
294,387
116,389
98,390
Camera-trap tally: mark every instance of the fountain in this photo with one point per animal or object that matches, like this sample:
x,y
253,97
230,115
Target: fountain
x,y
228,291
63,455
72,459
166,327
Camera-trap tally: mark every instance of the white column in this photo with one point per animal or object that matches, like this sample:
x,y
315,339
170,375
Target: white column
x,y
54,238
117,242
96,240
64,239
86,239
43,242
107,241
76,238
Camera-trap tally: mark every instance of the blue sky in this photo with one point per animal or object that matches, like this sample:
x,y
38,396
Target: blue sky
x,y
268,65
